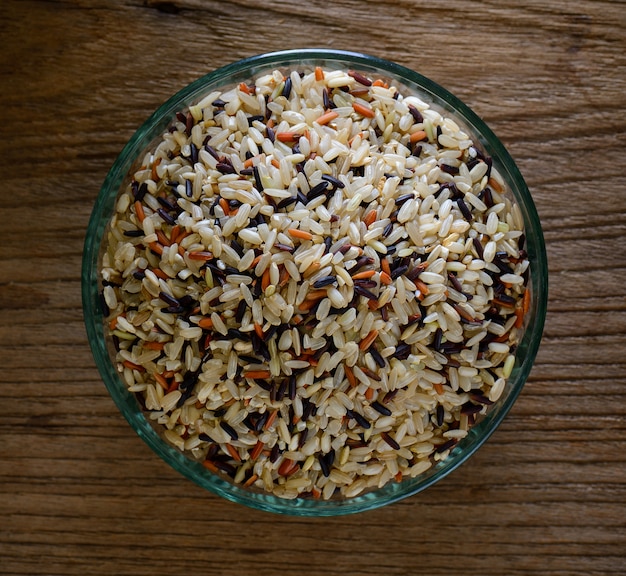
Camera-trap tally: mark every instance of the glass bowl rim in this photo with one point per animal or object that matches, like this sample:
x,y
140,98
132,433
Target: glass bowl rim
x,y
94,321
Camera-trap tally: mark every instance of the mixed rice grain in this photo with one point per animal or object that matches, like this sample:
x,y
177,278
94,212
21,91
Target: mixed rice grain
x,y
315,283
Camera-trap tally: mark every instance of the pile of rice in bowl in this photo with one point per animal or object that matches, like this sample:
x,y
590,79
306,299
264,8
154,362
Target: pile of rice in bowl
x,y
315,283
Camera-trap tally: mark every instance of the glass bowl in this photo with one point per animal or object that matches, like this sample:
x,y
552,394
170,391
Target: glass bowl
x,y
118,177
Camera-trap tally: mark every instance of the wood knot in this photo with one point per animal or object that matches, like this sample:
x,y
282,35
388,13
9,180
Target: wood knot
x,y
164,6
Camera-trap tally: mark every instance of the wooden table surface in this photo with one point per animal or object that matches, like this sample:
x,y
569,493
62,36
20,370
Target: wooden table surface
x,y
81,494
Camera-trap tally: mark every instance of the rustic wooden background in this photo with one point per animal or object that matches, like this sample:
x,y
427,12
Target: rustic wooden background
x,y
81,494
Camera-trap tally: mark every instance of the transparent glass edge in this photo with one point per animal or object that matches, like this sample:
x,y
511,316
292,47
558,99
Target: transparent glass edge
x,y
127,403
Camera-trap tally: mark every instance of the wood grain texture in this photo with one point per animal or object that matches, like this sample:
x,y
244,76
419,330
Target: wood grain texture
x,y
80,494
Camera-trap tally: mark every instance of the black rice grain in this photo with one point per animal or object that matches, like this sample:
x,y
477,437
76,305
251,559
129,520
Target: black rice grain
x,y
478,247
467,214
359,78
324,281
229,430
326,462
133,233
387,438
169,299
417,115
334,181
445,446
399,271
364,292
439,415
287,87
380,408
448,169
318,190
361,420
380,361
404,198
166,216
